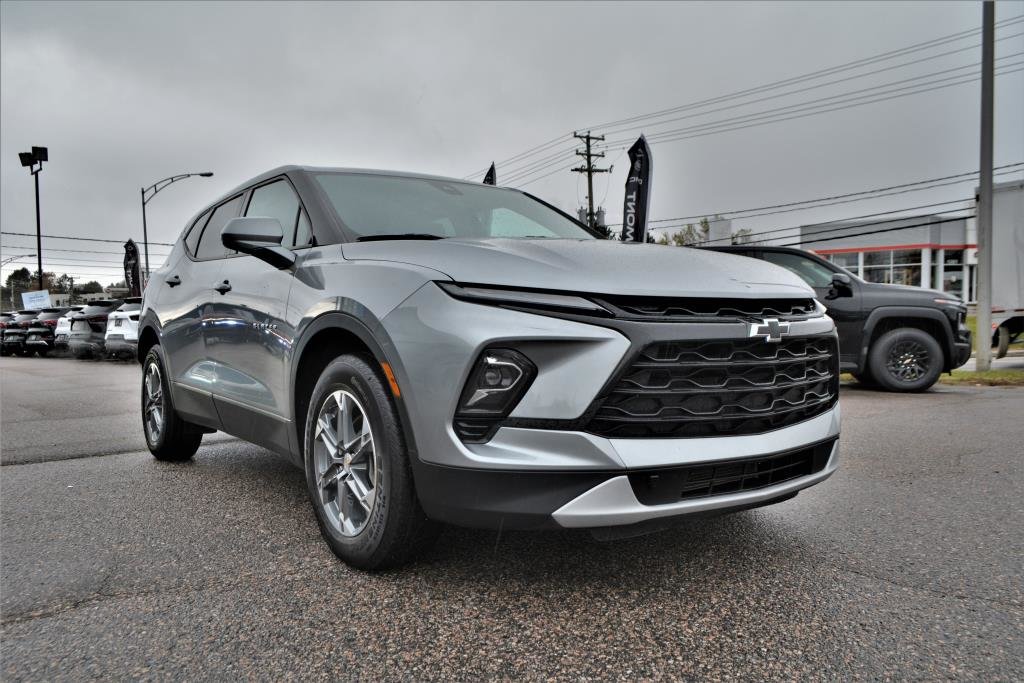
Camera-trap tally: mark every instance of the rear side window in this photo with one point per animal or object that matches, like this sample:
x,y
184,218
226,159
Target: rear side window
x,y
210,246
192,239
99,308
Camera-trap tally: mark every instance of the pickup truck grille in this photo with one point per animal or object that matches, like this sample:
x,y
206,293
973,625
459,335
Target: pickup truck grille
x,y
720,387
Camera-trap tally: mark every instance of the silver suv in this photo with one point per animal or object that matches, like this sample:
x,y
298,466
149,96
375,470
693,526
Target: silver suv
x,y
430,350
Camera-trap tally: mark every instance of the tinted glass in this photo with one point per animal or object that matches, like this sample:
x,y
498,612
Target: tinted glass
x,y
130,307
210,245
276,200
810,271
192,239
98,308
22,317
303,233
51,315
389,205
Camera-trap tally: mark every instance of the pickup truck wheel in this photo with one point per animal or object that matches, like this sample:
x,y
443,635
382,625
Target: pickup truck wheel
x,y
357,470
906,359
169,438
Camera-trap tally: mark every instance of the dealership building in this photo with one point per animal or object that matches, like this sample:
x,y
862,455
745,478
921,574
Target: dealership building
x,y
931,250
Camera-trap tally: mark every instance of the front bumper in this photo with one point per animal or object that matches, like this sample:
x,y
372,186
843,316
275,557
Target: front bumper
x,y
536,471
578,497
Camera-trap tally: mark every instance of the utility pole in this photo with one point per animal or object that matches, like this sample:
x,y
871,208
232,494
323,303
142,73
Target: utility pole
x,y
588,154
983,343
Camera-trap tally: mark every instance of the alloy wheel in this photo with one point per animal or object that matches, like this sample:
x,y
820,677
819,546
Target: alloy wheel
x,y
907,361
346,463
153,408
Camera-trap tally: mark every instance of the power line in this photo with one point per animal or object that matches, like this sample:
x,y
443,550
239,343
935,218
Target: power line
x,y
760,233
75,251
82,239
822,85
865,61
823,106
830,198
716,127
873,232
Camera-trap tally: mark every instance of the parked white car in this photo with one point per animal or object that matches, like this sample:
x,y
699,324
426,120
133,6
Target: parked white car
x,y
122,335
63,329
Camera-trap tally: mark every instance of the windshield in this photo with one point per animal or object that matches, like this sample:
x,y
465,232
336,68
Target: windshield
x,y
375,205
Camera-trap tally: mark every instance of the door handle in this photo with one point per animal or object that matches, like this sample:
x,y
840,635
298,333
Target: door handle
x,y
223,287
173,281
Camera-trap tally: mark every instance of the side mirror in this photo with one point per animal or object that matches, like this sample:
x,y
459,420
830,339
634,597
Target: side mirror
x,y
260,237
841,286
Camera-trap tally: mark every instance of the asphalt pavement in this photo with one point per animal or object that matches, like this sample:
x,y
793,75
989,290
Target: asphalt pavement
x,y
906,564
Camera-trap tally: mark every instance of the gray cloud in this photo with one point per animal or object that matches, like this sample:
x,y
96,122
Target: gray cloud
x,y
127,93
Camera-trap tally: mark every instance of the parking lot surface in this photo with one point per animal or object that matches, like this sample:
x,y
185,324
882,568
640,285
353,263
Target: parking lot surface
x,y
906,564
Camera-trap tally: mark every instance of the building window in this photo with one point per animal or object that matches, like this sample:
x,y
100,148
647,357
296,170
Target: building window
x,y
953,272
900,267
849,260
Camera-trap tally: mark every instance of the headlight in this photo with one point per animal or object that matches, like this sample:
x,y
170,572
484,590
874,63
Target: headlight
x,y
499,379
517,298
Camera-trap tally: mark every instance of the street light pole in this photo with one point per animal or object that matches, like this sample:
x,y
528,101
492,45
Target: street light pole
x,y
34,162
39,230
151,192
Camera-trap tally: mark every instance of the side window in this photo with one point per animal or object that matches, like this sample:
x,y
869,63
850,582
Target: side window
x,y
192,238
809,270
210,246
277,200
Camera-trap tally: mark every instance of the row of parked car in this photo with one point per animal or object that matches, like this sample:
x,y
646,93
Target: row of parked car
x,y
96,329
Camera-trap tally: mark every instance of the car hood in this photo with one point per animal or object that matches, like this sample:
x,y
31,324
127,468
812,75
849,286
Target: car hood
x,y
591,266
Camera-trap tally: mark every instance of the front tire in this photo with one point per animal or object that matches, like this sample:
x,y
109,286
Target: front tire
x,y
357,470
906,359
169,438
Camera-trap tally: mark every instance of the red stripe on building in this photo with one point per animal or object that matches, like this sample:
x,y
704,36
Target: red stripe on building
x,y
894,247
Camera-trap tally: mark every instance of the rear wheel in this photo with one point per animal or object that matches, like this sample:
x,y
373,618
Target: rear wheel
x,y
43,352
358,472
906,359
169,437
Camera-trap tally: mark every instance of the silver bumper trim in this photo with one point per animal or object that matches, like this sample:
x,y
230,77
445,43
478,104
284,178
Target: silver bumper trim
x,y
613,503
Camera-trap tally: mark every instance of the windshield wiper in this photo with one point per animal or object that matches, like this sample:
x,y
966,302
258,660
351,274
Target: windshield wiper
x,y
399,236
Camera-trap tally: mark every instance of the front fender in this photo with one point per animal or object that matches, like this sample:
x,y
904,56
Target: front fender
x,y
908,313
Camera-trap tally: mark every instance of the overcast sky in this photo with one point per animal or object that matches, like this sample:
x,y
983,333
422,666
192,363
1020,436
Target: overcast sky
x,y
124,94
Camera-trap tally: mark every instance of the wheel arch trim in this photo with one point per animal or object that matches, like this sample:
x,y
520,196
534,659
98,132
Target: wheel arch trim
x,y
907,312
376,339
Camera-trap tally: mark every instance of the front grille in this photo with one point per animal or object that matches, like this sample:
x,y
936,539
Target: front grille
x,y
676,308
720,387
684,482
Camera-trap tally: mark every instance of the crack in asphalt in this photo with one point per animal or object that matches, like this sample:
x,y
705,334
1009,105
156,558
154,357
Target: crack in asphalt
x,y
227,439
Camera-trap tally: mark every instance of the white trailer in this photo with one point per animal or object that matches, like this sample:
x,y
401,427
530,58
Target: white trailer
x,y
1007,264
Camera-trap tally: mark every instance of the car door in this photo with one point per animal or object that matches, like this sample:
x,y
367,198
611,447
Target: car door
x,y
247,338
185,306
843,304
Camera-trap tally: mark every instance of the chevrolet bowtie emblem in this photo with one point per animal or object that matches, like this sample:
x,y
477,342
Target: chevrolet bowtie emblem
x,y
771,329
